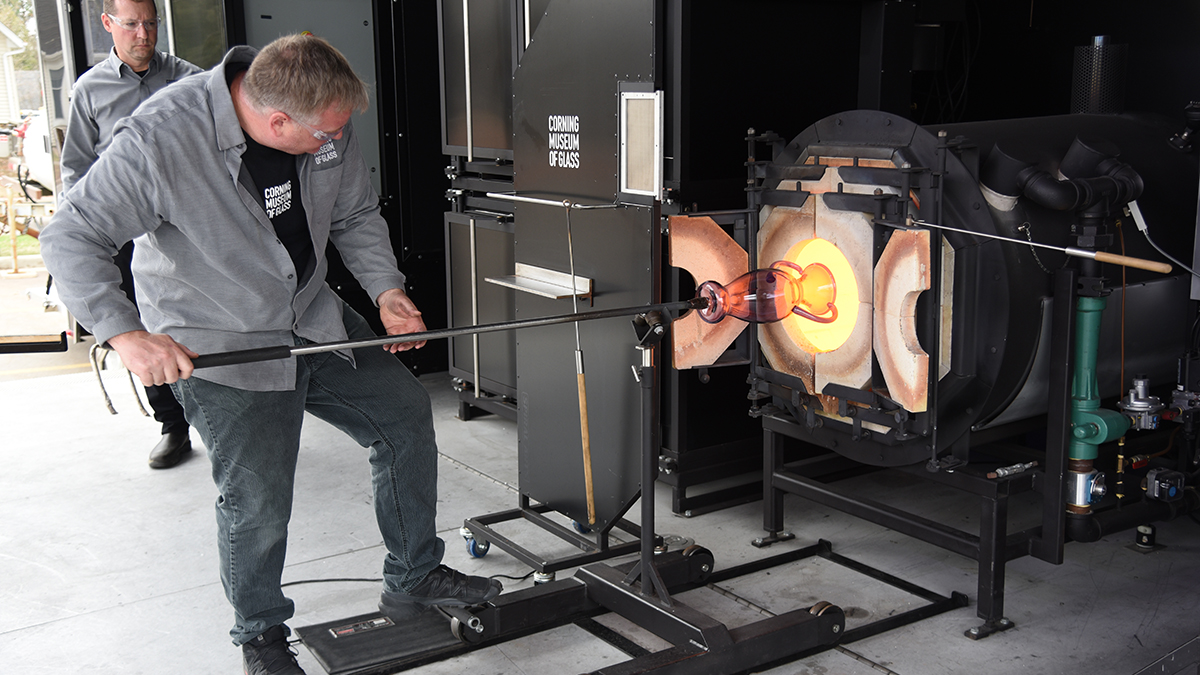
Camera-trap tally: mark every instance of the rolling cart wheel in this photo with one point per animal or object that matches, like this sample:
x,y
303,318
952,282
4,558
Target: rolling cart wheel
x,y
580,527
466,534
478,549
540,578
701,562
464,633
821,607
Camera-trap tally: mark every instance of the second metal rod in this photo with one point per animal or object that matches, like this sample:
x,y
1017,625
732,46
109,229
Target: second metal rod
x,y
584,433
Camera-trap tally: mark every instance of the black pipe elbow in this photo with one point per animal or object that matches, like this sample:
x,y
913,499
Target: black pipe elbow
x,y
1129,181
1052,193
1001,170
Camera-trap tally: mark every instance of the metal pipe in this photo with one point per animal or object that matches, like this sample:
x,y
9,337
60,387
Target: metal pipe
x,y
475,308
508,196
1092,526
527,36
285,351
467,68
1139,263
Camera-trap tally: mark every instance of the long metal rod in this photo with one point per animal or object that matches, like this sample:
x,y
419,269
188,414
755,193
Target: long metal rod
x,y
508,196
527,36
584,429
285,351
475,308
1127,261
467,59
574,288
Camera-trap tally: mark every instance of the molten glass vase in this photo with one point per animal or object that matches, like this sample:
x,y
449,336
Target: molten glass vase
x,y
772,294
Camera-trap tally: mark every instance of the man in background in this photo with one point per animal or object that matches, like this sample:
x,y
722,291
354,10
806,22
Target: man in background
x,y
103,96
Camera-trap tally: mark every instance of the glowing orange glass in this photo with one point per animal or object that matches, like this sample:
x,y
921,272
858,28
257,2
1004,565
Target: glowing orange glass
x,y
772,294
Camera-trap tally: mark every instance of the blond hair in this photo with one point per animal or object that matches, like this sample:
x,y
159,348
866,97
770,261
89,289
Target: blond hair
x,y
303,76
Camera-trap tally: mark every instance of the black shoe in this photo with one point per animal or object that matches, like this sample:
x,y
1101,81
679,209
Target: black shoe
x,y
269,654
170,450
443,586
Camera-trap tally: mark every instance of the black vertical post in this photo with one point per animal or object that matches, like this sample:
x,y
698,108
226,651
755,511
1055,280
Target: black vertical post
x,y
886,56
772,496
651,582
993,554
235,22
1049,546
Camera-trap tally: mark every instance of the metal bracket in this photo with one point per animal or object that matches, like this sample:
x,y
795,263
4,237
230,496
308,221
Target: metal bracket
x,y
545,282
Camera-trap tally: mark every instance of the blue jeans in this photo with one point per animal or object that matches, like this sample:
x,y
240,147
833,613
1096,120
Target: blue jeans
x,y
253,438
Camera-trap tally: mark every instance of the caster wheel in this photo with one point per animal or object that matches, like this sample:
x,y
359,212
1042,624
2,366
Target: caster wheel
x,y
477,549
464,633
580,527
540,578
466,534
700,562
820,608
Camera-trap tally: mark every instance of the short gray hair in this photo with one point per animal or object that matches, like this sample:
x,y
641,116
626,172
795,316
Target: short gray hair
x,y
303,75
110,6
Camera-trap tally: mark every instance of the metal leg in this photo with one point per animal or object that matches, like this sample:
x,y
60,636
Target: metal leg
x,y
652,583
993,554
772,496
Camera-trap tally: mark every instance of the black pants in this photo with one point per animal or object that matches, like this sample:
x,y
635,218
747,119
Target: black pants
x,y
162,400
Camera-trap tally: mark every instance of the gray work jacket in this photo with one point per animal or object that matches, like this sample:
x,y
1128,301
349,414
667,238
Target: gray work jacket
x,y
209,270
105,95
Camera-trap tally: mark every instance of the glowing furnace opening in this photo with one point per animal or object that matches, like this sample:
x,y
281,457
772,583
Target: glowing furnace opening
x,y
814,337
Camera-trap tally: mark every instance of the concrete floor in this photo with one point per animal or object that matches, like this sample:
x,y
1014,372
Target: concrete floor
x,y
109,566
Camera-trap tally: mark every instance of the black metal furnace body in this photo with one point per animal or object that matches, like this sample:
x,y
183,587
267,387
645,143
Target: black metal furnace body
x,y
995,319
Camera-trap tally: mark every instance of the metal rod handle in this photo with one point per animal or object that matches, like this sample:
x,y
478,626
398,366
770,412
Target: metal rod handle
x,y
585,435
1139,263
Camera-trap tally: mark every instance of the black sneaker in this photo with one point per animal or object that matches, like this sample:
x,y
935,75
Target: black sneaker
x,y
269,654
443,586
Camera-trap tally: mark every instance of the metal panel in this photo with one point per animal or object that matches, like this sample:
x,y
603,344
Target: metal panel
x,y
486,90
347,25
497,351
567,82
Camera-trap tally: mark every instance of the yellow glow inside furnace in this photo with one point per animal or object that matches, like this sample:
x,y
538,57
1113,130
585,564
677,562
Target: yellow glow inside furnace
x,y
825,337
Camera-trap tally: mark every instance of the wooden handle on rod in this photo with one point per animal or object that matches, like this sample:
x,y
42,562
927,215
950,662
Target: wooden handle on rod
x,y
587,450
1140,263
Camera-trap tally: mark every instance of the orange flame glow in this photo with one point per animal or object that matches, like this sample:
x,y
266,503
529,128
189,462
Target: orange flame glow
x,y
813,256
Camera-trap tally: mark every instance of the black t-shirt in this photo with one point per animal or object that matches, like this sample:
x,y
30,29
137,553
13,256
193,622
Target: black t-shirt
x,y
274,172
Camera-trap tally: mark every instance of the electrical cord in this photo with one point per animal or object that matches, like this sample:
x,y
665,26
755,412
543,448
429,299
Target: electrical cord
x,y
1133,210
1168,255
330,581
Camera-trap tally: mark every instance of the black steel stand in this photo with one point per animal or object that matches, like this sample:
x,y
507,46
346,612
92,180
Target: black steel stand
x,y
640,591
480,535
993,546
